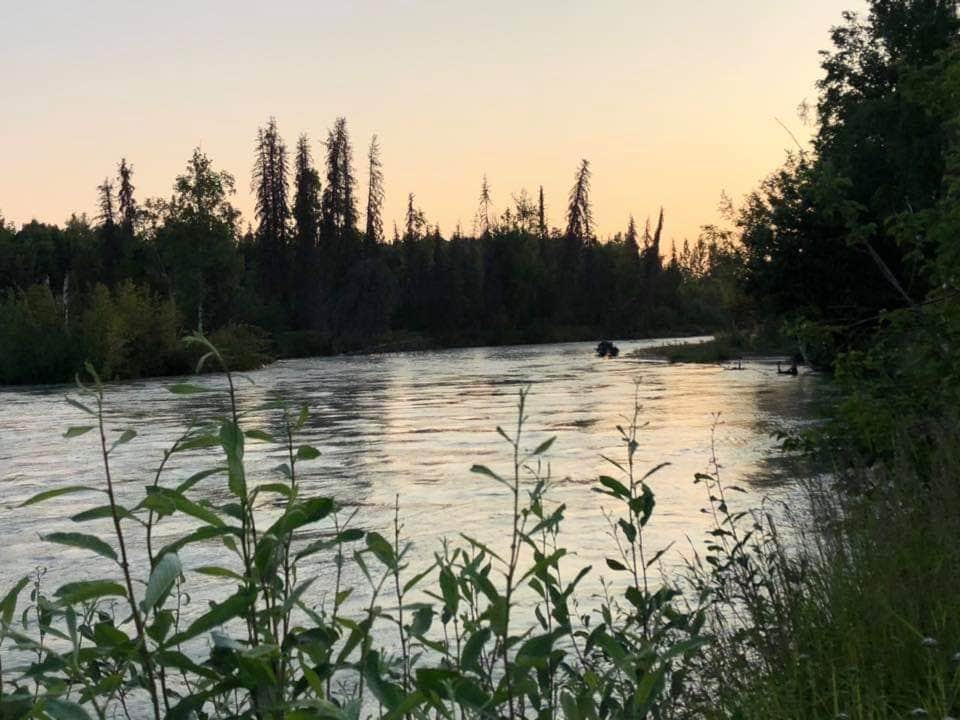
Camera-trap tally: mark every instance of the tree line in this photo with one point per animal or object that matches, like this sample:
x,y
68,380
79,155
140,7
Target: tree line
x,y
315,276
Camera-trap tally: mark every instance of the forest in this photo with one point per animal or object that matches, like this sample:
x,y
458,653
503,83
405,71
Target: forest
x,y
313,277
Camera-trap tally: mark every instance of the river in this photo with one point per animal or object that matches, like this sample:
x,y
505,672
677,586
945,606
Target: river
x,y
412,424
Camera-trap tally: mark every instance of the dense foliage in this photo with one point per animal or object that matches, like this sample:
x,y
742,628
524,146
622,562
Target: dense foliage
x,y
857,241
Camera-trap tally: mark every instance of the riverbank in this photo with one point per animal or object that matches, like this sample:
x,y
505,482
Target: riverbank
x,y
725,347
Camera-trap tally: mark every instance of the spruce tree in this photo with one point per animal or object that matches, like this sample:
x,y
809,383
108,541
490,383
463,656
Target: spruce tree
x,y
306,217
105,203
272,209
541,215
127,203
579,212
630,239
650,254
481,223
339,203
375,194
306,199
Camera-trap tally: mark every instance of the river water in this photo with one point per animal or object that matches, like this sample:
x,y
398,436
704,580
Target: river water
x,y
412,424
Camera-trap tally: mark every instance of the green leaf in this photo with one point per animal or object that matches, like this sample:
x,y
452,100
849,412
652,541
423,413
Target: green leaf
x,y
214,571
186,389
278,488
450,591
422,619
48,494
77,430
78,592
615,565
615,488
383,551
659,554
629,529
415,580
232,607
300,514
79,405
207,532
484,470
185,505
124,438
9,603
88,542
99,513
307,452
302,418
198,442
470,657
231,439
197,477
167,570
260,435
544,446
653,470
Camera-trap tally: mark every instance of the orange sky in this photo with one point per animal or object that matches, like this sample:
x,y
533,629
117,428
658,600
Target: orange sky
x,y
671,102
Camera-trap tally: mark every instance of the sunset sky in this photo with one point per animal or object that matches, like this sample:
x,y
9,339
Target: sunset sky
x,y
671,102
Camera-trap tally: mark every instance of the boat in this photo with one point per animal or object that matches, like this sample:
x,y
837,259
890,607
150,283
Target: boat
x,y
607,349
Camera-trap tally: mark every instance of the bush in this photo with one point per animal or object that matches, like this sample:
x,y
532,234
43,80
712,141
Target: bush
x,y
244,347
35,342
131,333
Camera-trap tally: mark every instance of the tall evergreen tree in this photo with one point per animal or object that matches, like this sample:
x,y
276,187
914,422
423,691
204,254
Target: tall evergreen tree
x,y
630,239
339,202
652,262
579,211
105,203
270,187
481,223
306,217
127,203
413,221
375,194
541,215
306,199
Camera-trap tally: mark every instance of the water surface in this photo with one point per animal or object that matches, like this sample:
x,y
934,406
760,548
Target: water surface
x,y
412,424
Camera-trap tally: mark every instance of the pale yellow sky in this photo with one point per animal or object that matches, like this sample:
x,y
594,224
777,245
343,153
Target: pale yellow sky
x,y
671,102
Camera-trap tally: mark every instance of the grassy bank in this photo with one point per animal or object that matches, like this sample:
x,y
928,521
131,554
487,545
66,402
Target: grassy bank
x,y
724,347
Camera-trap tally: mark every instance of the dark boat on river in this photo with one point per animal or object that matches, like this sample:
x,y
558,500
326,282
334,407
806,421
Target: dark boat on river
x,y
607,349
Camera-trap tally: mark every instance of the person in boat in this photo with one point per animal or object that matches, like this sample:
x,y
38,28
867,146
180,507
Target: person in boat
x,y
605,348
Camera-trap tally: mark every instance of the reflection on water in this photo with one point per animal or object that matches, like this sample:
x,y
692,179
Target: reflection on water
x,y
412,424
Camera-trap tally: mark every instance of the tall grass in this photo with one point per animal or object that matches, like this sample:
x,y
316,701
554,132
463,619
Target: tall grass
x,y
856,617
